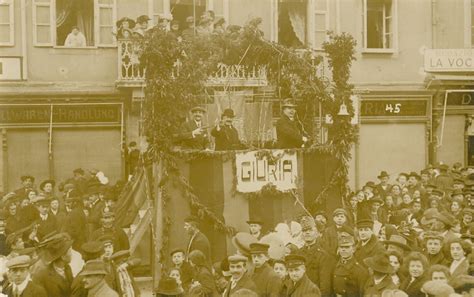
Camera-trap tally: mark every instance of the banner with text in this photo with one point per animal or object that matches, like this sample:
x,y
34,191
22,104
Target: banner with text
x,y
255,171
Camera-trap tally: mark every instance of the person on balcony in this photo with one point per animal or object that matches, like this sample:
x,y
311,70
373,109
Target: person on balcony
x,y
289,129
190,31
75,38
124,28
226,136
193,133
142,26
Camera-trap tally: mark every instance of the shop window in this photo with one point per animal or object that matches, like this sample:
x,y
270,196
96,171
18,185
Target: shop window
x,y
379,24
292,23
6,23
83,23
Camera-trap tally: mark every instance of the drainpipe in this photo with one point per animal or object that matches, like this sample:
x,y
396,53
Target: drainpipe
x,y
434,23
24,50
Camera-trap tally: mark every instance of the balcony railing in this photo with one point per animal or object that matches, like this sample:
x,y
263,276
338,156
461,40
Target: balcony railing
x,y
132,74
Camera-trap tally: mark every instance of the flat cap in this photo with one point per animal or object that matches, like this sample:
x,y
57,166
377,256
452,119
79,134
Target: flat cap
x,y
19,261
346,241
237,258
339,211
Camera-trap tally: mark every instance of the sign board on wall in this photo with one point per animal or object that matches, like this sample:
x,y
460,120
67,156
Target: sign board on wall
x,y
23,114
254,172
394,107
449,60
461,98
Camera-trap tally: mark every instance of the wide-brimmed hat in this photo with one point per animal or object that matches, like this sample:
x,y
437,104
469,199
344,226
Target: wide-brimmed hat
x,y
198,108
242,242
143,18
228,113
429,216
94,267
168,287
54,247
125,19
288,103
383,174
380,263
399,241
48,181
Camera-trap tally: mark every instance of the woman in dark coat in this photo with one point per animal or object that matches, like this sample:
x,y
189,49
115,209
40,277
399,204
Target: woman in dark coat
x,y
417,267
203,283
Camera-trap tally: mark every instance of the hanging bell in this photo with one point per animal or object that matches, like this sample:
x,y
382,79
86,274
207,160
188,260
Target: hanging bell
x,y
343,110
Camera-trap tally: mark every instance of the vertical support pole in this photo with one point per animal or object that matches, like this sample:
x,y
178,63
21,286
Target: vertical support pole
x,y
157,221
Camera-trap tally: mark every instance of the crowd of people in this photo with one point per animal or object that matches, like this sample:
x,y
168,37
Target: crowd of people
x,y
62,240
409,237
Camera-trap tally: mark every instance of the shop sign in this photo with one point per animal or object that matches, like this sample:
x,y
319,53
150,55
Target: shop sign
x,y
461,98
449,60
21,114
393,107
255,171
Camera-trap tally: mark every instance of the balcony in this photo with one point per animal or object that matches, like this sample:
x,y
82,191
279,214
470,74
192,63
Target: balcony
x,y
132,75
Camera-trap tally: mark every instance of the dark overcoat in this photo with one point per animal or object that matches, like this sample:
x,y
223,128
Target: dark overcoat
x,y
349,278
375,290
31,290
289,133
413,289
303,288
227,138
187,141
199,242
372,248
267,281
53,283
244,283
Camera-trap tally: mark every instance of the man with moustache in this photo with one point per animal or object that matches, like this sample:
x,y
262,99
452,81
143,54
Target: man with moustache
x,y
227,137
240,278
193,134
289,130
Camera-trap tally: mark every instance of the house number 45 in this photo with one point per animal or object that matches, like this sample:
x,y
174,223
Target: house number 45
x,y
396,108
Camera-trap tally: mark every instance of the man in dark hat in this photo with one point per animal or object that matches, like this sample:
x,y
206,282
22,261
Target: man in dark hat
x,y
240,279
289,129
330,236
96,207
433,248
75,222
94,274
27,182
349,276
319,263
398,244
255,227
197,239
193,133
168,287
368,245
444,180
226,136
108,227
46,223
383,188
380,280
298,283
267,281
56,278
414,183
20,283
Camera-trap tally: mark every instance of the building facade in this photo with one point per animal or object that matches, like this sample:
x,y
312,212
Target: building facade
x,y
59,104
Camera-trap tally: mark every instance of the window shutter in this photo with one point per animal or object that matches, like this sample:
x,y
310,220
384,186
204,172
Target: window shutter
x,y
105,17
6,23
43,22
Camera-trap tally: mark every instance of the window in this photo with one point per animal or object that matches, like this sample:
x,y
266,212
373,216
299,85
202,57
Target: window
x,y
380,24
6,23
321,23
85,23
292,23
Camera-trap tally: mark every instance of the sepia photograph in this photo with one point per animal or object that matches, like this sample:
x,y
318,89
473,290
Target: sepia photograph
x,y
236,148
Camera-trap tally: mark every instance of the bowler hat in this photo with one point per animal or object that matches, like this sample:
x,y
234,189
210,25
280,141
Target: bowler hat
x,y
288,102
143,18
94,267
383,174
294,260
399,241
380,263
198,108
228,113
242,241
48,181
259,248
168,287
19,262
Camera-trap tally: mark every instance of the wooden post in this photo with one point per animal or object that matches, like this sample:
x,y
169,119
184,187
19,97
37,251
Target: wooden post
x,y
157,224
